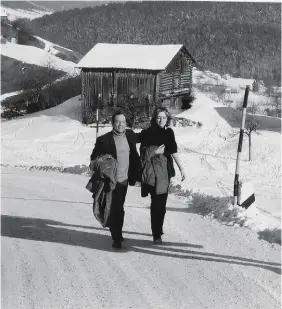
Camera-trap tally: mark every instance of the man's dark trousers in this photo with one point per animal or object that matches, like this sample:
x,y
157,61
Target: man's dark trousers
x,y
117,210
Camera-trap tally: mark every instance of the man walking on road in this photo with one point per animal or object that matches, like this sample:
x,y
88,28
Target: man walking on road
x,y
120,143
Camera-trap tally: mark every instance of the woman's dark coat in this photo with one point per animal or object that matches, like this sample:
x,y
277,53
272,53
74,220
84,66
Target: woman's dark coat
x,y
154,136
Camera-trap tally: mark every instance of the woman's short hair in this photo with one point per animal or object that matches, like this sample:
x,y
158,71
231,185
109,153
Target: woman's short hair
x,y
156,112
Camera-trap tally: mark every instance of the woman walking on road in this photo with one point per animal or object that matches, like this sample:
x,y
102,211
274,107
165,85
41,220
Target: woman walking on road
x,y
158,147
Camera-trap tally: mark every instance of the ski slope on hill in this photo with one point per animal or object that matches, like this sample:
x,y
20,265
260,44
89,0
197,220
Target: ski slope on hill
x,y
55,138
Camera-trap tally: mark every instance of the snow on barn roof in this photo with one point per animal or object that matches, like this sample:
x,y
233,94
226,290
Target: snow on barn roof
x,y
130,56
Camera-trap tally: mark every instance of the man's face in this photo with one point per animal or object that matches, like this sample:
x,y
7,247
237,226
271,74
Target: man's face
x,y
119,124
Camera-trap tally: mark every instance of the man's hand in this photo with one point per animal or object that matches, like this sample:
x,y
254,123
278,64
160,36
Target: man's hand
x,y
160,150
91,165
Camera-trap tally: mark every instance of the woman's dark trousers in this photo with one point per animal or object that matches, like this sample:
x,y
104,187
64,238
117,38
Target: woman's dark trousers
x,y
117,210
158,210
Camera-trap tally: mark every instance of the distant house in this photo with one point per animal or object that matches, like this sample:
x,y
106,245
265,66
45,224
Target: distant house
x,y
151,73
4,16
14,40
234,89
226,76
238,84
9,32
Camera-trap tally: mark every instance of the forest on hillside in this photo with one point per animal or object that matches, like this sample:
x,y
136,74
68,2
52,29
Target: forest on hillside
x,y
242,39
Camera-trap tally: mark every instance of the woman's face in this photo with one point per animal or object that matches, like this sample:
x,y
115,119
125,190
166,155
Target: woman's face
x,y
161,119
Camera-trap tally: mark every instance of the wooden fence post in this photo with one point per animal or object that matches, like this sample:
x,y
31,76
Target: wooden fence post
x,y
97,121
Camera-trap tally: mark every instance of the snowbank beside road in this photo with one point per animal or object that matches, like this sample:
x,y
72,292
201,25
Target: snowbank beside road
x,y
221,208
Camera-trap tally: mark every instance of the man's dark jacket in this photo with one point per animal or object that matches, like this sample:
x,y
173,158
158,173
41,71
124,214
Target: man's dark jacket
x,y
105,144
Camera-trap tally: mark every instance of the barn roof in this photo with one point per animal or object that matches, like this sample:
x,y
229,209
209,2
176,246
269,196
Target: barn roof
x,y
130,56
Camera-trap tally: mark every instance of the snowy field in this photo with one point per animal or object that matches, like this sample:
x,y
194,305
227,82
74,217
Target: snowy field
x,y
55,139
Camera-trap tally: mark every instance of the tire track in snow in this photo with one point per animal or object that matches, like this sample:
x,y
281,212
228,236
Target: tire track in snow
x,y
9,141
52,157
78,137
24,127
223,188
204,161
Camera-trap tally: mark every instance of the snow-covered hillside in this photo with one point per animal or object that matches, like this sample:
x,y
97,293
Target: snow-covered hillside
x,y
28,10
37,56
55,138
59,51
230,90
214,79
7,95
35,9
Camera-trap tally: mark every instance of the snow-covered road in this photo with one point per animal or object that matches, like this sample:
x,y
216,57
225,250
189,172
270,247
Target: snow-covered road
x,y
56,255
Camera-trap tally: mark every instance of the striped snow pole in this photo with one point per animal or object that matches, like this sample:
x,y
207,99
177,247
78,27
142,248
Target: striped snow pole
x,y
246,196
236,180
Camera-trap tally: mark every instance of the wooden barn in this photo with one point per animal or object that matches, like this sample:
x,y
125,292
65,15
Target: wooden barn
x,y
150,74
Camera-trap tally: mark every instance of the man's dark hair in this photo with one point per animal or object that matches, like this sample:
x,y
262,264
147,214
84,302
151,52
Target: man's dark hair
x,y
116,113
155,114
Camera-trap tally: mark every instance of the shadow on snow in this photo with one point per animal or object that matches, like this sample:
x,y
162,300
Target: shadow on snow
x,y
37,229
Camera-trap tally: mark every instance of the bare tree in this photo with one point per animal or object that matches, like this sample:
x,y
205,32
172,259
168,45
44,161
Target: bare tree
x,y
251,123
251,126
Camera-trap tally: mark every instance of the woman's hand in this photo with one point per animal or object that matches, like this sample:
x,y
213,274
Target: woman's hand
x,y
181,169
160,150
183,175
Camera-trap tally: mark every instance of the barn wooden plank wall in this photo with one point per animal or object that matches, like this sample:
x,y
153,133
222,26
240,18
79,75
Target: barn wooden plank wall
x,y
135,83
95,85
105,85
178,75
